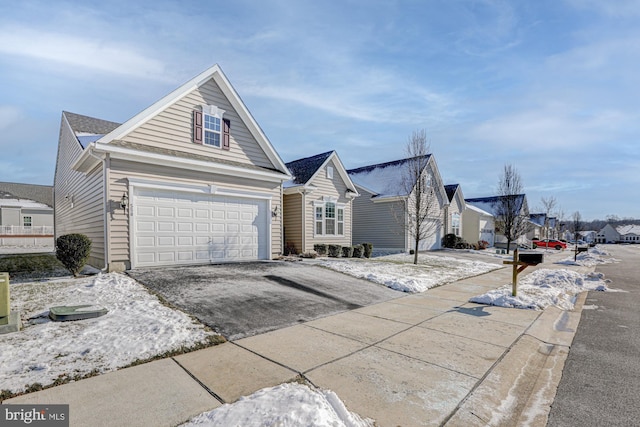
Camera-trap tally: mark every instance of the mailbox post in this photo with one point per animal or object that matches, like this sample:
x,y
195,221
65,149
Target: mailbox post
x,y
9,320
519,263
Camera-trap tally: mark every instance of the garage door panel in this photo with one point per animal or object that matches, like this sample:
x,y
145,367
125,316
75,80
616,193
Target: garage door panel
x,y
173,228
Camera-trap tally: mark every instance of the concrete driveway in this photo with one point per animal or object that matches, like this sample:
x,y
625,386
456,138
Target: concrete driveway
x,y
245,299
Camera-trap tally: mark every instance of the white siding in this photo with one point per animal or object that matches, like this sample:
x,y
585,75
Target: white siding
x,y
121,170
172,129
378,223
334,187
78,198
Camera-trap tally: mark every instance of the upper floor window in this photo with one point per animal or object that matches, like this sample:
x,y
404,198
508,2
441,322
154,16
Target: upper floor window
x,y
211,128
26,221
329,172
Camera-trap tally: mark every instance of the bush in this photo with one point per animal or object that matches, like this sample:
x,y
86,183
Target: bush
x,y
449,240
334,250
483,244
358,250
290,249
320,248
368,249
347,251
73,251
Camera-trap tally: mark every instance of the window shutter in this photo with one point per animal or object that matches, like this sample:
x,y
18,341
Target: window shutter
x,y
226,131
197,127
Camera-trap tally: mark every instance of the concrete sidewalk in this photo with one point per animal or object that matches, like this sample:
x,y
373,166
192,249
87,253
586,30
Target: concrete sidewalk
x,y
424,359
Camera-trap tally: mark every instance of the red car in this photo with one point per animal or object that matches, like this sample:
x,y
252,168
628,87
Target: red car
x,y
549,243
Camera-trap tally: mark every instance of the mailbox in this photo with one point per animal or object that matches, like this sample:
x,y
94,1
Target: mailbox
x,y
531,259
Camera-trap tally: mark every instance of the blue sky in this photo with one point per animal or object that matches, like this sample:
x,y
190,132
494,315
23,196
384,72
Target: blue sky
x,y
551,87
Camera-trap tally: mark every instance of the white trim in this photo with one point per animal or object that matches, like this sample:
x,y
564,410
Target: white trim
x,y
196,188
215,73
138,183
129,154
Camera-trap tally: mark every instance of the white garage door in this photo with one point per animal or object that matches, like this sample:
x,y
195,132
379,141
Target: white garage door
x,y
172,228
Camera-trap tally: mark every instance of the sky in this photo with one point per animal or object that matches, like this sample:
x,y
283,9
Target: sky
x,y
549,86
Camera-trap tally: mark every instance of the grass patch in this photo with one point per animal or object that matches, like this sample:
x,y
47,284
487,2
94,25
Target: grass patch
x,y
32,266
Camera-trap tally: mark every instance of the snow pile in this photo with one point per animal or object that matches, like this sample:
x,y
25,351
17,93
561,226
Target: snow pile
x,y
543,288
283,405
591,258
398,272
137,326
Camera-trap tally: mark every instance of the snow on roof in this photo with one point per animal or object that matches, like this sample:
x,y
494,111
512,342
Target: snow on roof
x,y
490,204
538,219
628,229
477,209
385,179
9,200
87,138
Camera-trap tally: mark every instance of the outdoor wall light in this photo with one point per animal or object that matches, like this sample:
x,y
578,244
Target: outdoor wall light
x,y
274,212
124,201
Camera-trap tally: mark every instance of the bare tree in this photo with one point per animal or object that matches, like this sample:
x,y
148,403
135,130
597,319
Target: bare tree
x,y
549,205
421,213
512,215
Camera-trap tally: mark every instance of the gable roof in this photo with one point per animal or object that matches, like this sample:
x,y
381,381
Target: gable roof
x,y
383,179
478,210
303,169
538,218
306,169
104,143
451,190
628,229
489,204
42,195
88,129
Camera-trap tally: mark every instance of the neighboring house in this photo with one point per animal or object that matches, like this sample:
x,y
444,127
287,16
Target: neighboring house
x,y
589,236
490,205
478,225
26,214
317,203
454,211
543,227
379,214
629,233
192,179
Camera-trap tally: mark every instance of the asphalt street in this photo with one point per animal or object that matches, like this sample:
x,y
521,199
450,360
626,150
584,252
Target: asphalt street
x,y
600,384
244,299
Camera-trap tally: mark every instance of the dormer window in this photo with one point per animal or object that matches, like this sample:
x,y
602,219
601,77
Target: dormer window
x,y
329,172
210,128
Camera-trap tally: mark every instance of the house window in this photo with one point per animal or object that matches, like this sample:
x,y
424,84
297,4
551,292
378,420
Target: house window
x,y
329,172
212,130
329,219
455,223
26,221
319,220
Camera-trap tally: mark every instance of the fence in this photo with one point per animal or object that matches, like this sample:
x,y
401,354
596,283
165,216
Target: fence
x,y
17,230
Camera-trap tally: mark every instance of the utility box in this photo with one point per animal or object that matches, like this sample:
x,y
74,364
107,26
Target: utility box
x,y
4,295
531,259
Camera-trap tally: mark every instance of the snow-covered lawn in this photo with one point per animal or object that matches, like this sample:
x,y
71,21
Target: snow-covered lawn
x,y
591,258
543,288
137,327
398,272
288,404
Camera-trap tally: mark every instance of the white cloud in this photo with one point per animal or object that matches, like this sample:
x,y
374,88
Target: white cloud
x,y
73,51
8,116
616,8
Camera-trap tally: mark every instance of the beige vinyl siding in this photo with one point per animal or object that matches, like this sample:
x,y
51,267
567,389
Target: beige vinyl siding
x,y
292,218
376,223
327,187
87,214
172,129
121,170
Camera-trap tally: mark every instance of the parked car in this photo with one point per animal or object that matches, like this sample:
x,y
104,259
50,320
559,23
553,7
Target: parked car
x,y
549,243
